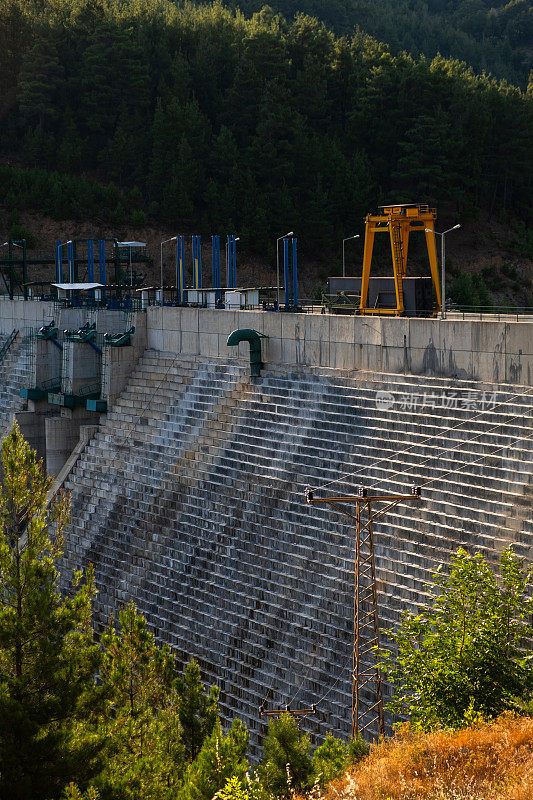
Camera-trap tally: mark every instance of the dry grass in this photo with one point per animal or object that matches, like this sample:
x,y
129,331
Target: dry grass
x,y
490,762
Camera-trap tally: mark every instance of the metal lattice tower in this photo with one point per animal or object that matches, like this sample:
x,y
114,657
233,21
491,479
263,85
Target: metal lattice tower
x,y
367,692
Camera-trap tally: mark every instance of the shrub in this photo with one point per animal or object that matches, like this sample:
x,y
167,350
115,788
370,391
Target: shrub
x,y
462,652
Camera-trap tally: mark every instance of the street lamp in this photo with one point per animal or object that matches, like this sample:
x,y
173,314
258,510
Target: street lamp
x,y
285,236
443,259
355,236
172,239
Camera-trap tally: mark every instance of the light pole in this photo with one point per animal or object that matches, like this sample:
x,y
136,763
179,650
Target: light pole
x,y
172,239
355,236
285,236
443,262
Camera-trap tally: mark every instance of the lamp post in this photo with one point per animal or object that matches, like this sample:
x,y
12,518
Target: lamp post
x,y
355,236
285,236
443,262
172,239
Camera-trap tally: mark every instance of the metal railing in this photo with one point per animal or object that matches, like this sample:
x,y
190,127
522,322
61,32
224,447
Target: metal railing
x,y
497,313
129,306
7,344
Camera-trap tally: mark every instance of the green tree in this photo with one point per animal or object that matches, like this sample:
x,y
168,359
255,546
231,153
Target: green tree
x,y
144,752
462,652
40,83
221,757
329,760
198,710
286,761
47,655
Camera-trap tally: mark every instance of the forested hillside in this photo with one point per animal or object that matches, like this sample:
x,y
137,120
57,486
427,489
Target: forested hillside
x,y
207,120
491,35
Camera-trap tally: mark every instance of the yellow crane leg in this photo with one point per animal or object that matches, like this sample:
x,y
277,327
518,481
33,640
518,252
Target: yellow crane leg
x,y
397,265
405,246
367,260
432,253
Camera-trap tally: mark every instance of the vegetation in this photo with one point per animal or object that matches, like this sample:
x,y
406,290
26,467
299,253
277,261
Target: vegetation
x,y
114,720
198,116
47,655
461,657
475,763
492,35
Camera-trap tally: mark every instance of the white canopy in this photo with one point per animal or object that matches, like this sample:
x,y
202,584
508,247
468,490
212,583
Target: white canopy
x,y
71,286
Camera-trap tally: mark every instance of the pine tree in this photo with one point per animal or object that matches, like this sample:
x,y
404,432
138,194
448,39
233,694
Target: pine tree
x,y
286,762
221,757
198,710
140,723
41,80
47,654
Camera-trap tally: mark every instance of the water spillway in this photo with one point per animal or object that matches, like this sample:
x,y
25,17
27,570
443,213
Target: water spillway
x,y
190,500
188,496
15,368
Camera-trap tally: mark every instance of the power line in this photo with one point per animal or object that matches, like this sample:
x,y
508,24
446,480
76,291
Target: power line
x,y
424,441
477,460
457,450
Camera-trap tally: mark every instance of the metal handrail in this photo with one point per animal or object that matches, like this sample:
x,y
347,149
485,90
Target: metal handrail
x,y
89,388
51,383
7,344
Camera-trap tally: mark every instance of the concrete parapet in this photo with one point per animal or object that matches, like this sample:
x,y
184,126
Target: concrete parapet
x,y
24,314
490,351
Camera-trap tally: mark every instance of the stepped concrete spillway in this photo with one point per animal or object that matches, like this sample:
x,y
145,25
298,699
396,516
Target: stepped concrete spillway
x,y
15,370
190,496
190,499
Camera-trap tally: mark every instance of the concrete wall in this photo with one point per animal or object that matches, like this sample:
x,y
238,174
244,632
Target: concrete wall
x,y
46,362
119,362
82,367
32,428
483,350
63,434
36,313
20,314
491,351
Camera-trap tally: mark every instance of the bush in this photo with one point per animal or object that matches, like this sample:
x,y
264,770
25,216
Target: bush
x,y
357,749
462,654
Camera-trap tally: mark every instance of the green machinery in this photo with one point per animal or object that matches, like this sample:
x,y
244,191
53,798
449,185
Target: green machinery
x,y
254,340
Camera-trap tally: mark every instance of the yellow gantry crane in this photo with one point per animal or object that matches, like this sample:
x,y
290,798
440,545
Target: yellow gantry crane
x,y
399,221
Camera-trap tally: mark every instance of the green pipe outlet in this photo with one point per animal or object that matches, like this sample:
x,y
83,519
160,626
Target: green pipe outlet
x,y
254,339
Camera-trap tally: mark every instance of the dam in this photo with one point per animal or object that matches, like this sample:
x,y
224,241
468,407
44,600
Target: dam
x,y
188,476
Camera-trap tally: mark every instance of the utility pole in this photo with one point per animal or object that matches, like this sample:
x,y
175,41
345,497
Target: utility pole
x,y
367,694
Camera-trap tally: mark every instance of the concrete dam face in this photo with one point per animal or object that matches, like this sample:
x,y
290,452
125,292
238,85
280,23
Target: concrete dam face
x,y
190,499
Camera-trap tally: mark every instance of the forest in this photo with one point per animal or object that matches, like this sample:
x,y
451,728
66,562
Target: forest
x,y
490,35
201,117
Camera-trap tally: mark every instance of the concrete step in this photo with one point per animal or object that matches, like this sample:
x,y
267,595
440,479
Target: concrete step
x,y
190,499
